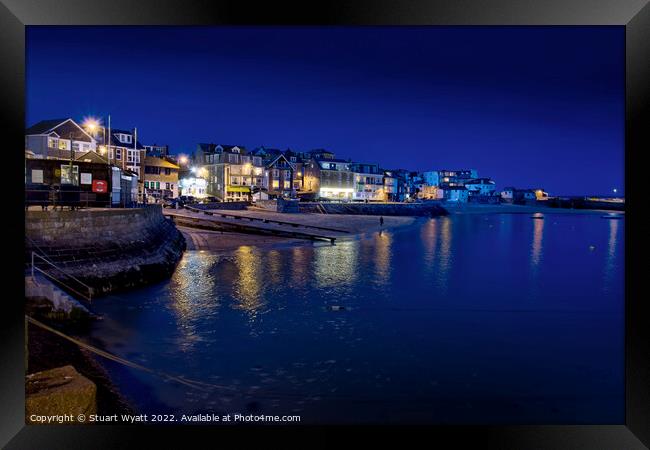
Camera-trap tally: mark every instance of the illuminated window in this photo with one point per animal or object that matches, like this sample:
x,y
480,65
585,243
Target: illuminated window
x,y
66,178
63,144
53,143
276,184
287,184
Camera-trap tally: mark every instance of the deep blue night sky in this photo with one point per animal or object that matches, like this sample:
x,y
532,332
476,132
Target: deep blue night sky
x,y
526,106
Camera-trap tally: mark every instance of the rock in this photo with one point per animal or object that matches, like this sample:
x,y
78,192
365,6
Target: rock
x,y
58,392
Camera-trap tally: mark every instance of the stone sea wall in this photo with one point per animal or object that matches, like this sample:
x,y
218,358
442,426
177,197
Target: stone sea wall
x,y
108,249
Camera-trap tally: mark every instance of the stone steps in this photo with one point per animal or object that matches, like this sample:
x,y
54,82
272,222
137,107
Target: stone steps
x,y
41,287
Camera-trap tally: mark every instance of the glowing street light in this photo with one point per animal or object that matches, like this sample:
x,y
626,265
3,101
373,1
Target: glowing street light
x,y
91,124
615,190
182,159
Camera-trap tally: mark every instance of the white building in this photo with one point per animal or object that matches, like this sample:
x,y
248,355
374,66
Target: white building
x,y
481,186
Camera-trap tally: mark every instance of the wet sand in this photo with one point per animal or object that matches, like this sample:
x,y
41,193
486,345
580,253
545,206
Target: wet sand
x,y
217,241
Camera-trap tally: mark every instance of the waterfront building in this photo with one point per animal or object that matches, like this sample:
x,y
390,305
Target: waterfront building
x,y
368,182
123,150
58,138
160,151
93,182
430,192
455,194
329,178
193,187
523,196
481,186
452,183
449,178
391,187
232,173
160,177
281,173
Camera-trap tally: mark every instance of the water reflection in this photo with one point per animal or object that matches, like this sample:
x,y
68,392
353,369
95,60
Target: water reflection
x,y
299,266
429,237
610,261
536,250
192,301
445,257
248,288
337,266
383,257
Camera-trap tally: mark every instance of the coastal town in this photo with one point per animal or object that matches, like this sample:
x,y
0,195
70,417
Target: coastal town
x,y
110,211
94,164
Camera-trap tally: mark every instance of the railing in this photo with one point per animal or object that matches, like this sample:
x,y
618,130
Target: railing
x,y
86,296
70,198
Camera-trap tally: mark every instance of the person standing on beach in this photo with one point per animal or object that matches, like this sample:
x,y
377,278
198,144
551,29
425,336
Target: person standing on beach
x,y
381,221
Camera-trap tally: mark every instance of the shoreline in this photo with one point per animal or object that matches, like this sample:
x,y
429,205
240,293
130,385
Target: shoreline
x,y
357,225
467,208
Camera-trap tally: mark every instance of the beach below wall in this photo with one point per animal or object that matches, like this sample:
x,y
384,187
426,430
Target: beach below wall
x,y
356,225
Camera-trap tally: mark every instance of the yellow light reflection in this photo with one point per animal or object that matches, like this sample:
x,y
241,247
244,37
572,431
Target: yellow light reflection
x,y
445,256
247,287
336,265
191,300
536,250
429,236
382,258
299,266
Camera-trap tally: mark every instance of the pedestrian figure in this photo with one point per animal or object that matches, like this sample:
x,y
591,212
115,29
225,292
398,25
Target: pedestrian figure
x,y
381,221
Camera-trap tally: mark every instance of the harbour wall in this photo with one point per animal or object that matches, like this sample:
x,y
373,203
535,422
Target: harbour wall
x,y
108,249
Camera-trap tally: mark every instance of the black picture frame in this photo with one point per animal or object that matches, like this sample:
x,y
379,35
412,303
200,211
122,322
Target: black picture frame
x,y
634,15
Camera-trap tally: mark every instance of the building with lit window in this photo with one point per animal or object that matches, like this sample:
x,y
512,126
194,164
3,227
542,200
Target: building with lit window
x,y
368,182
58,138
481,187
160,177
232,173
450,182
327,177
160,151
280,177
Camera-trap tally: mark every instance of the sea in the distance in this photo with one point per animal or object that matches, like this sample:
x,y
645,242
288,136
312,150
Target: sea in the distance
x,y
462,319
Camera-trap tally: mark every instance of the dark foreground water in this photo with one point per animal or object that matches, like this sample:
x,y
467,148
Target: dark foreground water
x,y
464,319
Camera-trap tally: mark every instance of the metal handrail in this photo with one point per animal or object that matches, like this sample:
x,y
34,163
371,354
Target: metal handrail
x,y
90,289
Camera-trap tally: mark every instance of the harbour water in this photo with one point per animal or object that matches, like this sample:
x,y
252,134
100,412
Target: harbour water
x,y
491,318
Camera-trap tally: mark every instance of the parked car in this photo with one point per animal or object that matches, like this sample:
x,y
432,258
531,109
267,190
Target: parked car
x,y
210,199
171,203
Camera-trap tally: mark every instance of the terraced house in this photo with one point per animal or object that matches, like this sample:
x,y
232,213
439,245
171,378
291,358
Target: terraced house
x,y
58,138
232,173
368,182
160,177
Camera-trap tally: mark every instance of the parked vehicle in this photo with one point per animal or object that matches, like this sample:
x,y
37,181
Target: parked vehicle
x,y
171,203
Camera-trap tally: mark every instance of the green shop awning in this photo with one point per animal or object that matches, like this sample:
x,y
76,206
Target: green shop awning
x,y
238,188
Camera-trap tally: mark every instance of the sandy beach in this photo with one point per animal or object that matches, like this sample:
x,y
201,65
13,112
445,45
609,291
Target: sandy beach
x,y
199,239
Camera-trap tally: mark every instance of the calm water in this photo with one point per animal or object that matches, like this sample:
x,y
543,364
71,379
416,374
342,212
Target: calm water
x,y
464,319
